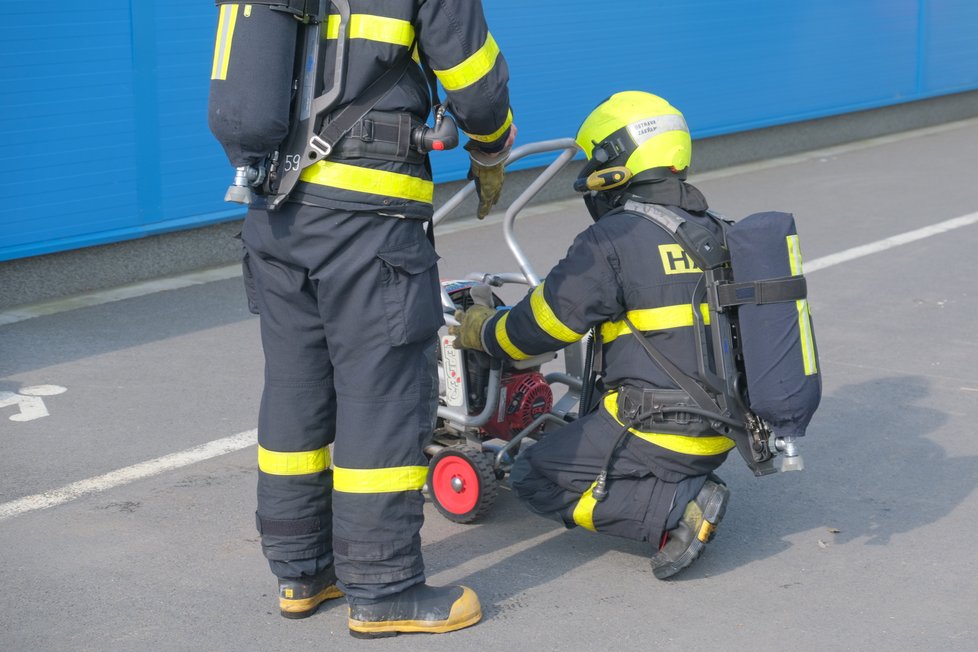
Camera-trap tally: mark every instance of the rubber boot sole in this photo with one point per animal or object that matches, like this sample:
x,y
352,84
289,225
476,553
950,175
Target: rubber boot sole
x,y
305,607
713,513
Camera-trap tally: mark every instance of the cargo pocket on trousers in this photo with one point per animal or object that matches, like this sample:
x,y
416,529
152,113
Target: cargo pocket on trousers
x,y
409,288
251,292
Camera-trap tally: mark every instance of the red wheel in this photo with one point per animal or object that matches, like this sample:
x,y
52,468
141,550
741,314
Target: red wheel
x,y
461,483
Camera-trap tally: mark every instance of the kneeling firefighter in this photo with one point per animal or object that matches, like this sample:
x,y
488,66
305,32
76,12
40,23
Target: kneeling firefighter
x,y
685,368
321,107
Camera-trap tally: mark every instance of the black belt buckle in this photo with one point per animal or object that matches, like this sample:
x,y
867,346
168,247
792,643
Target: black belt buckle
x,y
367,130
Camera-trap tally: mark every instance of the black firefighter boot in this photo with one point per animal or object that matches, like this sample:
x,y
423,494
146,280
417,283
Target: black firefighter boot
x,y
684,543
300,598
421,608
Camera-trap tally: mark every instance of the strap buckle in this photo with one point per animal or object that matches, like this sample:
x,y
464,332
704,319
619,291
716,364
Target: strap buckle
x,y
320,146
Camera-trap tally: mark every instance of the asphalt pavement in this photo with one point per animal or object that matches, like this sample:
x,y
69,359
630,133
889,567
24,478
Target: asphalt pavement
x,y
128,467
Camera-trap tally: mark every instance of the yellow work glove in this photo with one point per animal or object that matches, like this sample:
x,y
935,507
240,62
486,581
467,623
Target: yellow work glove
x,y
468,333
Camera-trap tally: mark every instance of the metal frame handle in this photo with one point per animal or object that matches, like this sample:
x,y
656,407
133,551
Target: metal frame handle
x,y
568,150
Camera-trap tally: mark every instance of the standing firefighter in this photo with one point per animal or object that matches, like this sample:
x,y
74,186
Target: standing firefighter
x,y
344,277
639,463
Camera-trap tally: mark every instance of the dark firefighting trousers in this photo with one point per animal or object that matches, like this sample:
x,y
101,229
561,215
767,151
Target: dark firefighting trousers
x,y
554,478
349,309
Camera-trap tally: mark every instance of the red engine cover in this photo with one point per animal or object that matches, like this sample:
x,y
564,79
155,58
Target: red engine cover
x,y
523,396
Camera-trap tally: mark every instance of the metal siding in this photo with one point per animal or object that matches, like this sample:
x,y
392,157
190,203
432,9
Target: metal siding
x,y
194,171
103,109
728,66
950,59
66,123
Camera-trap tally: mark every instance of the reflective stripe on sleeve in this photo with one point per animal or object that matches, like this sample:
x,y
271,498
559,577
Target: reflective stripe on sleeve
x,y
369,181
488,138
548,321
804,314
472,69
584,510
373,28
379,481
300,463
222,44
655,319
502,337
699,446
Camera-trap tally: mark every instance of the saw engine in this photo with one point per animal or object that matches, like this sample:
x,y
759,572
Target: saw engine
x,y
523,396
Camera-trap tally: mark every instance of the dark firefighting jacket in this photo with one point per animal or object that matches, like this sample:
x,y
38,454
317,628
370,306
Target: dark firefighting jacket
x,y
453,38
623,265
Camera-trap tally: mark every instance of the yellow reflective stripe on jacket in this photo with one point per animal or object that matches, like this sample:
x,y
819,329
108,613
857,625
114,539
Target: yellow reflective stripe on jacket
x,y
222,43
584,510
373,28
472,69
502,337
369,180
548,321
699,446
488,138
299,463
804,311
655,319
379,481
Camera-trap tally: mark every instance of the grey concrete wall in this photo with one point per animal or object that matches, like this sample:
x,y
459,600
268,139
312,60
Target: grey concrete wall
x,y
42,278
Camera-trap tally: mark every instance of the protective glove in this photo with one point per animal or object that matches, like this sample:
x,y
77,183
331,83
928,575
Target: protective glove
x,y
487,170
488,184
468,333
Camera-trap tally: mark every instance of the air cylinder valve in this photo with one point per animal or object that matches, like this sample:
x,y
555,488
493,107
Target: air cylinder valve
x,y
791,459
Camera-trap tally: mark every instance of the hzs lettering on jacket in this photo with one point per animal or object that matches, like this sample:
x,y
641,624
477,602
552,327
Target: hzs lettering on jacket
x,y
675,260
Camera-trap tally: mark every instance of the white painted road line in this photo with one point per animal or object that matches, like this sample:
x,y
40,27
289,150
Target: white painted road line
x,y
889,243
130,291
248,438
129,474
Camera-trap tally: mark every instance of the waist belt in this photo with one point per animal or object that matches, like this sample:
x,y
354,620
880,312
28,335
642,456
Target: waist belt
x,y
380,135
660,410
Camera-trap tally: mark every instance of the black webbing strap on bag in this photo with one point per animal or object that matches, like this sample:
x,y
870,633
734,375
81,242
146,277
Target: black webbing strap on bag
x,y
775,290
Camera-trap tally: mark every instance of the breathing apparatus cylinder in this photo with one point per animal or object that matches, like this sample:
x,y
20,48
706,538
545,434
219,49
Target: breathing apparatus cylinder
x,y
251,80
777,339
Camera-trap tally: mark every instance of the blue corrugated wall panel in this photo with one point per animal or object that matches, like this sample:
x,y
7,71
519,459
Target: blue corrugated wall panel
x,y
103,106
949,56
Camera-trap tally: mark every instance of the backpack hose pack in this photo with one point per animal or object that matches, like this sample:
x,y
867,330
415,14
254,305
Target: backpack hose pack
x,y
758,359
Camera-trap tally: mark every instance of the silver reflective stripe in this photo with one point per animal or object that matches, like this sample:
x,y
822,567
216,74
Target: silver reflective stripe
x,y
222,46
642,130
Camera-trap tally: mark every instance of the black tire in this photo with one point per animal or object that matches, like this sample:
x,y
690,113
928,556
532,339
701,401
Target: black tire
x,y
462,483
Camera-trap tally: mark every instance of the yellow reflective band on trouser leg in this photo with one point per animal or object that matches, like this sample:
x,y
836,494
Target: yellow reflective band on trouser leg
x,y
488,138
472,69
373,28
300,463
698,446
222,44
502,337
369,181
379,481
547,320
804,311
655,319
584,510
